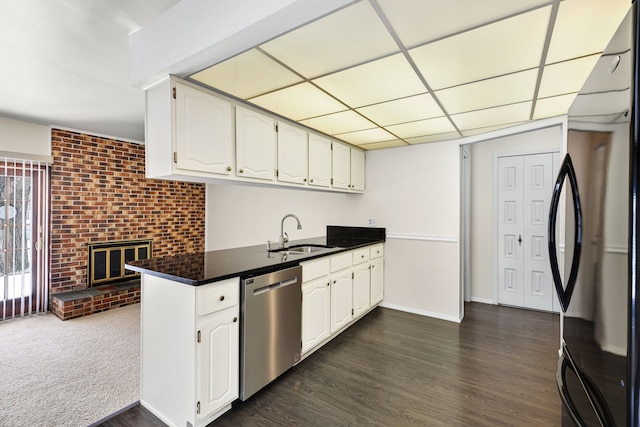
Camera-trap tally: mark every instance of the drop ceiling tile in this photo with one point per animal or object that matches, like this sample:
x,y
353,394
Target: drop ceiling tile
x,y
553,106
420,21
503,47
337,123
343,39
479,131
403,110
342,122
584,27
566,77
246,75
509,89
385,144
366,136
422,127
433,138
497,116
379,81
299,102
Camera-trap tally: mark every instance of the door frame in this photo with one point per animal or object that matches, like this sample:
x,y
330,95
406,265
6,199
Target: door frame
x,y
556,164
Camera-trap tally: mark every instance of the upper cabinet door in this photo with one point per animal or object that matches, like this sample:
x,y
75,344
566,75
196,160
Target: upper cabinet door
x,y
319,161
292,154
341,166
255,144
357,170
204,139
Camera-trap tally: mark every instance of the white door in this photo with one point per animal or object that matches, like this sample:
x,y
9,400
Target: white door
x,y
510,228
316,312
525,184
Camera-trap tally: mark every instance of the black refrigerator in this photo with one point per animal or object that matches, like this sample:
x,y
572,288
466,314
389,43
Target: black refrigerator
x,y
594,250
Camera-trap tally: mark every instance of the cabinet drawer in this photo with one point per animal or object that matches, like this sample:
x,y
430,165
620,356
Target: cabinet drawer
x,y
314,269
376,251
218,296
360,255
340,261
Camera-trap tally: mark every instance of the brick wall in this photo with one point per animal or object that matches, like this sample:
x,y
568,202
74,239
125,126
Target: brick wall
x,y
99,192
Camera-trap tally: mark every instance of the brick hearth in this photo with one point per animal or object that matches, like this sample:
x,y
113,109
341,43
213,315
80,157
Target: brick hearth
x,y
72,304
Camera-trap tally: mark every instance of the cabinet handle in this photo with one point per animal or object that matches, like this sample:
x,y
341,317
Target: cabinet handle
x,y
241,170
361,256
328,283
235,319
334,282
305,179
228,168
311,180
221,297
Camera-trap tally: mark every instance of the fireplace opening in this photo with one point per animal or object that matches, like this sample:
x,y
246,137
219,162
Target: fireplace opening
x,y
107,259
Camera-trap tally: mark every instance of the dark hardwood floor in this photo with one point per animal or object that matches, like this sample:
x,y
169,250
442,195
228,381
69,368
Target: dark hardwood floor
x,y
496,368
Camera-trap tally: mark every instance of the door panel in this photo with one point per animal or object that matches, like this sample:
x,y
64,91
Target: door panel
x,y
525,184
510,259
538,184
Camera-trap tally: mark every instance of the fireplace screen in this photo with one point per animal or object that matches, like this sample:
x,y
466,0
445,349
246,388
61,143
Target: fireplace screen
x,y
107,260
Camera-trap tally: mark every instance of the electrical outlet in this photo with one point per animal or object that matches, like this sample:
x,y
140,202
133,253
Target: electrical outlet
x,y
372,221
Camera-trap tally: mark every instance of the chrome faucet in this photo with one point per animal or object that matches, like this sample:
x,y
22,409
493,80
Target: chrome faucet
x,y
284,237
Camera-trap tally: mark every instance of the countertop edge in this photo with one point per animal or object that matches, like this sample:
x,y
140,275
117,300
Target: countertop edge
x,y
258,270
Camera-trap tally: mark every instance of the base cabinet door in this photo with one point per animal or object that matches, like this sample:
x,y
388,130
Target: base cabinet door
x,y
218,354
341,300
316,312
361,291
377,280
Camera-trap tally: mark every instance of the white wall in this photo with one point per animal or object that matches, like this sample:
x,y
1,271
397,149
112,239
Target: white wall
x,y
412,191
415,193
247,215
20,137
483,154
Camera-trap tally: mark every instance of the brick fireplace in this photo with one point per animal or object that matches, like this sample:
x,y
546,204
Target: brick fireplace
x,y
99,193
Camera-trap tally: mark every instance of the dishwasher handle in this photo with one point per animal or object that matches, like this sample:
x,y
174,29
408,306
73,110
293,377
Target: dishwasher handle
x,y
273,287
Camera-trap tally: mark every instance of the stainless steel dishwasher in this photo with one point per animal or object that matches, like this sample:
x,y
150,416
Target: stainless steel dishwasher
x,y
271,316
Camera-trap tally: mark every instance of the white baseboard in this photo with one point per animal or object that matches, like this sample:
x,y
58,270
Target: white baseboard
x,y
421,312
483,300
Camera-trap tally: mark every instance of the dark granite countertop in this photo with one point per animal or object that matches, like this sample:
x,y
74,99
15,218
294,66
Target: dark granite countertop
x,y
205,267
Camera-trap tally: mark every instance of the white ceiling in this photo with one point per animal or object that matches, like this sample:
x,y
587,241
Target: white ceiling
x,y
377,73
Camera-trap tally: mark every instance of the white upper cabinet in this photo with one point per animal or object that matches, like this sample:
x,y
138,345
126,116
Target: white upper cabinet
x,y
292,154
255,144
204,139
195,134
357,170
319,161
341,166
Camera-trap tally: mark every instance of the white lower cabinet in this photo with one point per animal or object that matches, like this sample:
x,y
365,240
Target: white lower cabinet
x,y
189,349
341,300
218,359
316,312
377,280
337,289
361,289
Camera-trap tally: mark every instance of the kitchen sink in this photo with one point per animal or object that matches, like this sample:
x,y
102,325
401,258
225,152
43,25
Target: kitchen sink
x,y
302,249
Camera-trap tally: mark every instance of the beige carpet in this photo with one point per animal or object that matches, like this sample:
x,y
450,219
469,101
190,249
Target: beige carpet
x,y
72,373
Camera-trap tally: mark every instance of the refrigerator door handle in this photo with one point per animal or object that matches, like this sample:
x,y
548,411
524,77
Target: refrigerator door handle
x,y
565,292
